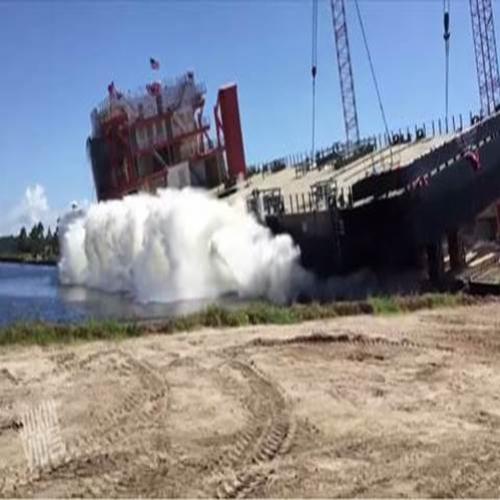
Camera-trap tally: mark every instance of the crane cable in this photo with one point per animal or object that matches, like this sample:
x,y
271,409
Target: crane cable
x,y
446,37
314,60
374,77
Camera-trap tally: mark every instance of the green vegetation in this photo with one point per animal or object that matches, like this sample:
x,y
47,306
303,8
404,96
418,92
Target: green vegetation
x,y
219,317
44,333
384,305
400,304
8,244
38,245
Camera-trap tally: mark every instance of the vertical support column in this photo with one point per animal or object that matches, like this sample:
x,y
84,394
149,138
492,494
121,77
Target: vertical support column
x,y
231,128
455,250
497,213
171,159
435,262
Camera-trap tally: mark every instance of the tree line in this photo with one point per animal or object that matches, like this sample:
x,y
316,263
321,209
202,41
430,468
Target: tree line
x,y
38,242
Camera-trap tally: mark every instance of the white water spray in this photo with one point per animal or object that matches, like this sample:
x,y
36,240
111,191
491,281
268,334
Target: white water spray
x,y
178,245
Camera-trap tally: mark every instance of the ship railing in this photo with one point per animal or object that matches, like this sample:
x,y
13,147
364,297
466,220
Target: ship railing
x,y
307,202
454,124
302,161
169,83
272,202
111,106
423,169
172,90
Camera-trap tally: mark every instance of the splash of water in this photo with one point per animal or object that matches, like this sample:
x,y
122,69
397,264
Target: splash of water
x,y
177,245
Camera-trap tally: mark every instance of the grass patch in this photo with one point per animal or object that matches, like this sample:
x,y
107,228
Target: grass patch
x,y
258,313
400,304
269,314
45,333
385,305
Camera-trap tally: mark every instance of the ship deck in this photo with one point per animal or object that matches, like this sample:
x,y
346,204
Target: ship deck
x,y
294,183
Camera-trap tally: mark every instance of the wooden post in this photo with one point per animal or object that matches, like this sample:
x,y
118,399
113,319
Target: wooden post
x,y
435,262
455,251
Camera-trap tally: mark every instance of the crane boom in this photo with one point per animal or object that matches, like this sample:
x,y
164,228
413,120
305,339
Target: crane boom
x,y
345,71
485,50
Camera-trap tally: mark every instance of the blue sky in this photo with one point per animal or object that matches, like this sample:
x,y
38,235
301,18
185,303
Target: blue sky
x,y
57,58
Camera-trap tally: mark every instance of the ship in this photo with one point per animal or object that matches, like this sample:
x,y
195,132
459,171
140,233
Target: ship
x,y
384,201
395,200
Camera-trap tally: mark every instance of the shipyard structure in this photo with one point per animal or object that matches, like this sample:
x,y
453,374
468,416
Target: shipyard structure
x,y
381,201
159,136
400,199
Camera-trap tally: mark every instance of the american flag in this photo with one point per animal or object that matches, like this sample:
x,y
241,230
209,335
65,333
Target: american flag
x,y
154,88
154,63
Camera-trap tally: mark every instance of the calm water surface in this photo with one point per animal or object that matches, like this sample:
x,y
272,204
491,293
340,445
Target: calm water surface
x,y
33,293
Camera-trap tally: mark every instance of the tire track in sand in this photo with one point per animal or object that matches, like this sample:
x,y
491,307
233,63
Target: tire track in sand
x,y
347,338
89,465
245,467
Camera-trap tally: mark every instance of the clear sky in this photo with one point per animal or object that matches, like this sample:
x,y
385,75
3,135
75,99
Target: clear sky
x,y
57,58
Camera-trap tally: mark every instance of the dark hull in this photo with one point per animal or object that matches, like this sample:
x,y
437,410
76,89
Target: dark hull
x,y
393,231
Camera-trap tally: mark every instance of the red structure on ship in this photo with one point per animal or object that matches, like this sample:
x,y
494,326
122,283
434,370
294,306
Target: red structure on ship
x,y
159,137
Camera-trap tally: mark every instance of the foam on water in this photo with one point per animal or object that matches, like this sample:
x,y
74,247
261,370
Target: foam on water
x,y
178,245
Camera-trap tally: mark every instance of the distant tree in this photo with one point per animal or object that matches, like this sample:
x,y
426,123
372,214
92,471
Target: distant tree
x,y
34,232
51,248
55,242
40,231
8,245
37,240
23,244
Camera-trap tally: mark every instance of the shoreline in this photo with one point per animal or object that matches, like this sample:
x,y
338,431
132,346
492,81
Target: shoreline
x,y
220,318
30,262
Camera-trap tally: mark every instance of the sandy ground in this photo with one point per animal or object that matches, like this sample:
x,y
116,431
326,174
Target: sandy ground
x,y
388,406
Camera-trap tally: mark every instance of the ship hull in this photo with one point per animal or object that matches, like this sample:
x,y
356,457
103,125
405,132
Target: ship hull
x,y
393,231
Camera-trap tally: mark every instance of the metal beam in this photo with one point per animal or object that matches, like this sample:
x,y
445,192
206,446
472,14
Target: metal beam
x,y
485,50
345,71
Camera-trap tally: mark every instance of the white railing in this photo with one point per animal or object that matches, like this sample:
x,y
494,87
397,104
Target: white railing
x,y
182,89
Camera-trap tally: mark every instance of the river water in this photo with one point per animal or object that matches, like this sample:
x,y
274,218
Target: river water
x,y
33,293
